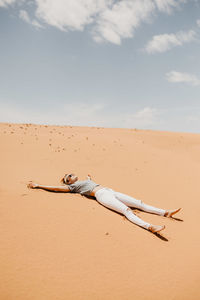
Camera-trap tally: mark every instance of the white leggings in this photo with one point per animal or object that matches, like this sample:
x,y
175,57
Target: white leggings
x,y
120,202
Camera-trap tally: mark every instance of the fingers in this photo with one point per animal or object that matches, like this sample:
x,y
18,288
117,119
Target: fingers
x,y
30,184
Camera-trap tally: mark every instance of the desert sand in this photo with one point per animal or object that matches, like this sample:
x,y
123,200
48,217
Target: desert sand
x,y
67,246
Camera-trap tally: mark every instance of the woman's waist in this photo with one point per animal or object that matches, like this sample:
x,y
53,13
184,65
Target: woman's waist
x,y
97,188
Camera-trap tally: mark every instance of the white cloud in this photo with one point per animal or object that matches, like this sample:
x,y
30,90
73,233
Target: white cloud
x,y
164,42
36,24
110,20
198,22
143,118
168,5
25,17
175,77
120,20
5,3
81,114
69,15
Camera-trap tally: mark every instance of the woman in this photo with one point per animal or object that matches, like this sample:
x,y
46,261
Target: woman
x,y
114,200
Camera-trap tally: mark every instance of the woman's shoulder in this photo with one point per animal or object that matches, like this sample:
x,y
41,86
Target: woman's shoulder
x,y
78,182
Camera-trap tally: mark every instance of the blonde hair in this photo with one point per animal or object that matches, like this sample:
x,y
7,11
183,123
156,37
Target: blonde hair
x,y
63,179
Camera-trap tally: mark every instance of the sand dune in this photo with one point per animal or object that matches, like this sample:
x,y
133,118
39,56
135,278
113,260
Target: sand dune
x,y
67,246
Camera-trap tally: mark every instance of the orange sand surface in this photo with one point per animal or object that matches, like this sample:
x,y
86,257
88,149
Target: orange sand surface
x,y
67,246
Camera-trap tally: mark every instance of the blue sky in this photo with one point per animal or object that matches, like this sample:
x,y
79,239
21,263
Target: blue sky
x,y
122,64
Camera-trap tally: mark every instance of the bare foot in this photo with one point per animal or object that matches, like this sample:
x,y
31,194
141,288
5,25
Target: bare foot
x,y
156,228
170,213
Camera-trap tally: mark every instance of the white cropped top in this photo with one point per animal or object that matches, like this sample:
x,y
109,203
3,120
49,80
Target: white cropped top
x,y
83,187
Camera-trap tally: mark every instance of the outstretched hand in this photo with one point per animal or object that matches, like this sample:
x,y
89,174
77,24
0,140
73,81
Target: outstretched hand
x,y
32,185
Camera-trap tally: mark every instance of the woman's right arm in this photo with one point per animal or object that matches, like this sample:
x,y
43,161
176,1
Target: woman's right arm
x,y
64,189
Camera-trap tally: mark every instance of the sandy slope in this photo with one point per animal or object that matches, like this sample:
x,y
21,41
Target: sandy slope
x,y
67,246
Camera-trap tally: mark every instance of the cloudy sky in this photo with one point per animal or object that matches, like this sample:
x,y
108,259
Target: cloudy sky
x,y
108,63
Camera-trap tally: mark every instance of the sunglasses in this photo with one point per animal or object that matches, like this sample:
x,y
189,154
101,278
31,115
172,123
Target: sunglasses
x,y
66,180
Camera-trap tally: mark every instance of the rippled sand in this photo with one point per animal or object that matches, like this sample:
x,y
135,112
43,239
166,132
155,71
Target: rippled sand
x,y
67,246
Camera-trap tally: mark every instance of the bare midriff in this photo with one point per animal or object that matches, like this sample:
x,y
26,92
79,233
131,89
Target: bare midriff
x,y
96,189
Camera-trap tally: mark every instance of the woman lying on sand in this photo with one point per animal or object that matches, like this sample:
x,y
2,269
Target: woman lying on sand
x,y
109,198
